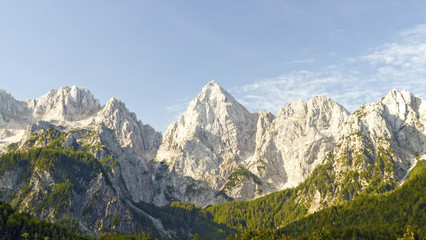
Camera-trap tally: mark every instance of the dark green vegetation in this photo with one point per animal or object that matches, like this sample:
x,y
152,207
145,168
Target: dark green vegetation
x,y
398,213
15,225
188,217
236,178
328,185
71,169
381,216
120,236
46,158
273,210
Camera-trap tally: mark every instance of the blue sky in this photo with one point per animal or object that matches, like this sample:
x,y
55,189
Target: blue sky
x,y
157,55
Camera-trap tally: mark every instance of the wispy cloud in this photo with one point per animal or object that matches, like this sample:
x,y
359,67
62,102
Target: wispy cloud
x,y
272,94
400,64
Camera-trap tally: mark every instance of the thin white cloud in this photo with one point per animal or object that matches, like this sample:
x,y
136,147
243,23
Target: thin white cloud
x,y
272,94
400,64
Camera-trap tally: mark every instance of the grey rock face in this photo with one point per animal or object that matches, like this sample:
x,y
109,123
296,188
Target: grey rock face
x,y
212,137
396,122
296,141
216,135
381,141
130,132
10,108
133,145
281,152
65,104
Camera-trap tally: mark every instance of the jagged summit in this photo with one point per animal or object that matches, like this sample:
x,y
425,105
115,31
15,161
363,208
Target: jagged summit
x,y
397,96
213,88
215,96
114,105
4,92
215,128
9,106
65,104
213,110
212,83
399,102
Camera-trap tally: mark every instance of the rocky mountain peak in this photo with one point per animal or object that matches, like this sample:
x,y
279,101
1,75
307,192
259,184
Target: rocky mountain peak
x,y
65,104
9,106
214,129
297,141
212,91
117,107
4,92
129,130
396,124
320,112
214,101
213,110
403,104
293,109
325,113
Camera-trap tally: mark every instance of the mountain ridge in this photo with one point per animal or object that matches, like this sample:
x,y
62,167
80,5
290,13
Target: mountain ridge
x,y
217,151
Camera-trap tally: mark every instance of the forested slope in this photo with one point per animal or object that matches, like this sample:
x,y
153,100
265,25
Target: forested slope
x,y
377,216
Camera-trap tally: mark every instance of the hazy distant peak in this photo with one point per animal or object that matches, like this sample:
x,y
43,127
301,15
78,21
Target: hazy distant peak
x,y
5,92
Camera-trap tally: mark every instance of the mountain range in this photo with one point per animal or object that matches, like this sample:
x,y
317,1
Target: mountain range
x,y
64,156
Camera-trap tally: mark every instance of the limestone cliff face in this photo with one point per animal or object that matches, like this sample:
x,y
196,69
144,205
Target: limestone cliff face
x,y
395,124
65,104
297,141
244,155
130,131
10,108
216,135
375,149
211,138
12,118
132,144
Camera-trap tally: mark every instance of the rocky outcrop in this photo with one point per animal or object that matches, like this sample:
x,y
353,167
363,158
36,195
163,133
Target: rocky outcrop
x,y
10,108
375,149
281,152
211,138
65,104
129,131
396,123
296,141
133,145
216,135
